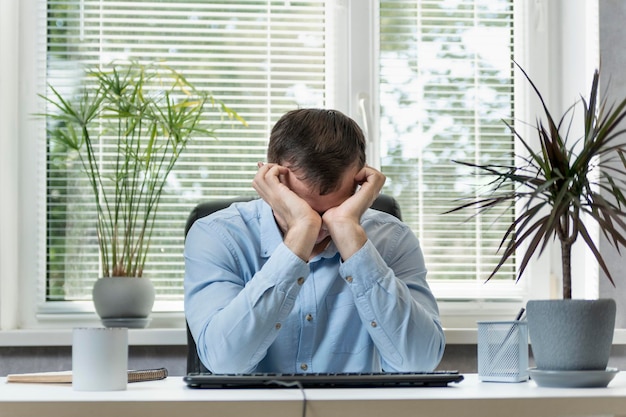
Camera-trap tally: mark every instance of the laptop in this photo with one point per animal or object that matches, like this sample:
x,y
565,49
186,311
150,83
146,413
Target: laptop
x,y
323,380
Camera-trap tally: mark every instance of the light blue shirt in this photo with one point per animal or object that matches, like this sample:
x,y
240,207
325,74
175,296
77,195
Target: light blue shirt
x,y
254,306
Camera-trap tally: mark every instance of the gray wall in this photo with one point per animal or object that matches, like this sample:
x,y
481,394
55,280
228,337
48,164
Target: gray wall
x,y
44,359
613,79
48,359
40,359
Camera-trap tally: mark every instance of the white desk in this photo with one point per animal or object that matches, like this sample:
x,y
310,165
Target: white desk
x,y
171,398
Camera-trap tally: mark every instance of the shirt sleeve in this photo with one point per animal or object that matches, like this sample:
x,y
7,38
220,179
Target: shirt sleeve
x,y
234,330
395,303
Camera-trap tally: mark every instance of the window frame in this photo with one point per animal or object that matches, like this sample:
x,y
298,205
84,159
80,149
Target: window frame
x,y
21,293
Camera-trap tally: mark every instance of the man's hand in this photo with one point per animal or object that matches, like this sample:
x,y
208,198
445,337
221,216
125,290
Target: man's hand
x,y
344,221
298,221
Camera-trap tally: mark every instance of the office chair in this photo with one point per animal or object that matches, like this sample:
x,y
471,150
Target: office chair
x,y
383,202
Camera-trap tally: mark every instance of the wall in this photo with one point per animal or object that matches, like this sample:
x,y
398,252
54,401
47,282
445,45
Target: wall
x,y
613,79
40,359
48,359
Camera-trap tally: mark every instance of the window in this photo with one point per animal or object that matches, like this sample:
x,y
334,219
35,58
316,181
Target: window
x,y
446,84
441,83
261,58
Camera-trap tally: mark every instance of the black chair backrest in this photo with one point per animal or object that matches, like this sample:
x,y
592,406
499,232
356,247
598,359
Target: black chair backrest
x,y
383,202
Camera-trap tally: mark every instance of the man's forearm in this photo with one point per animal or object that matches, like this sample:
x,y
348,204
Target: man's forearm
x,y
301,240
238,335
400,313
349,239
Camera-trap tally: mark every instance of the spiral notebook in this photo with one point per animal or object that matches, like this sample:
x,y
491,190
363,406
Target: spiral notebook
x,y
65,377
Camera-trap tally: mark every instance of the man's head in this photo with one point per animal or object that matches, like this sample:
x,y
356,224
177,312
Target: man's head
x,y
318,146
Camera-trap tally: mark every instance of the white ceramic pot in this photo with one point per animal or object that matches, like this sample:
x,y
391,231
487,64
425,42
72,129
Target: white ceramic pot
x,y
124,301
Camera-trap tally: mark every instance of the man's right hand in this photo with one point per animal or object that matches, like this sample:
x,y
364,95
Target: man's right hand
x,y
299,223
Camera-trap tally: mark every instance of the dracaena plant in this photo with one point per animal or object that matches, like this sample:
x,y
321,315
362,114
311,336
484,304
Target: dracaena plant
x,y
561,183
147,113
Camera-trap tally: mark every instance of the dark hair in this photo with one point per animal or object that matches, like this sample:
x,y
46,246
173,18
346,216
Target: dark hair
x,y
318,144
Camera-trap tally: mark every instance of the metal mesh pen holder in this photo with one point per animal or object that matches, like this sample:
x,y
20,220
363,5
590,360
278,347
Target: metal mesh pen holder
x,y
503,351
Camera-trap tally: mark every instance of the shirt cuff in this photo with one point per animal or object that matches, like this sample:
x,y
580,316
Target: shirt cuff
x,y
286,269
364,269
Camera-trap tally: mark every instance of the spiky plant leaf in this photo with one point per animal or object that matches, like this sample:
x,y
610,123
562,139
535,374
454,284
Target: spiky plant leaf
x,y
557,186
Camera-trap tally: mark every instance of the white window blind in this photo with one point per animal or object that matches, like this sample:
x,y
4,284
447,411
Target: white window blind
x,y
262,58
446,81
446,84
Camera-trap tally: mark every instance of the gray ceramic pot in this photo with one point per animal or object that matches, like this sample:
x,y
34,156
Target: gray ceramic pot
x,y
570,335
123,301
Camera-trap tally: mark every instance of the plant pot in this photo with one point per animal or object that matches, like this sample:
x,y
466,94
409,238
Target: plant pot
x,y
571,335
124,301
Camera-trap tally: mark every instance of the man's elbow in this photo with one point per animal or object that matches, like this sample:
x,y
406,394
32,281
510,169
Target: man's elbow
x,y
431,351
220,359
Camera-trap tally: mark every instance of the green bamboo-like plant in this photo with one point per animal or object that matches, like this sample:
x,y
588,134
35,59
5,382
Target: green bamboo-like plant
x,y
152,112
561,182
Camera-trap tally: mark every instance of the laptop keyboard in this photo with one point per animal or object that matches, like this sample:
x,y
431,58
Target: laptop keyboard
x,y
324,380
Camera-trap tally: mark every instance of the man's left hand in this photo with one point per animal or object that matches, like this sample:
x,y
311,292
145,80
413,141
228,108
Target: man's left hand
x,y
344,221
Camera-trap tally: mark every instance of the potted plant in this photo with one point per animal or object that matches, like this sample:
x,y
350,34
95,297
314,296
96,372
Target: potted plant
x,y
146,114
559,188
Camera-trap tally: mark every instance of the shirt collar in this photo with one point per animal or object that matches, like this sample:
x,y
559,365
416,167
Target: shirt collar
x,y
330,252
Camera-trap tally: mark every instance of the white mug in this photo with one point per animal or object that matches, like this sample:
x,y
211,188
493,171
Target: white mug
x,y
99,359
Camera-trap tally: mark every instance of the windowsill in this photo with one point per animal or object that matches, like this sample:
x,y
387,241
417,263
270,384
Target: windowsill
x,y
178,337
167,326
153,337
63,337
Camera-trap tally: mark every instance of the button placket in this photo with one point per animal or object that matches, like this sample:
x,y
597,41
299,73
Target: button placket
x,y
307,311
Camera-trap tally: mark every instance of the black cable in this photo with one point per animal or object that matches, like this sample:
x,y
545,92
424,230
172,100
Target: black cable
x,y
292,384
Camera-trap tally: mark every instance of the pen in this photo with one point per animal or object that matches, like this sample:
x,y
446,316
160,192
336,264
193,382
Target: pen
x,y
502,348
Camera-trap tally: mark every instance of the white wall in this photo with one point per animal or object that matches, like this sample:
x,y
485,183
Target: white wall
x,y
9,134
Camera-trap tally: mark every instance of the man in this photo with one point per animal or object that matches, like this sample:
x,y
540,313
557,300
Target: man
x,y
307,278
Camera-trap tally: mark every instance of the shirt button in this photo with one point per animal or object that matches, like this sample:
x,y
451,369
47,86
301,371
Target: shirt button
x,y
300,281
349,279
309,317
373,324
304,366
278,326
